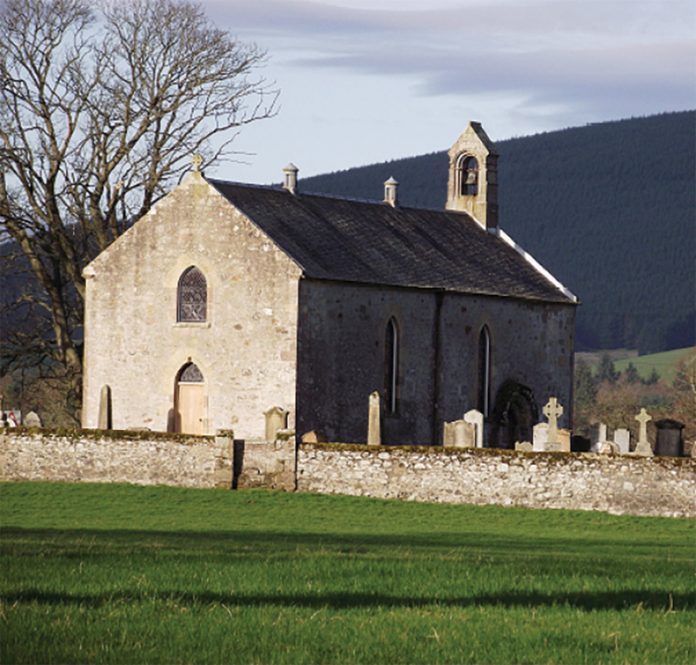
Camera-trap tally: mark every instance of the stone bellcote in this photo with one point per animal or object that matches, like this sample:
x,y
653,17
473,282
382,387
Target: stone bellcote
x,y
473,171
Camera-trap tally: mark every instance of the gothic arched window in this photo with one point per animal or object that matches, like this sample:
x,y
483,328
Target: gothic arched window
x,y
190,373
467,175
484,369
192,296
391,365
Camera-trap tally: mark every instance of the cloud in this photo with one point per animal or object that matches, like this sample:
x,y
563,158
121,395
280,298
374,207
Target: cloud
x,y
465,20
632,56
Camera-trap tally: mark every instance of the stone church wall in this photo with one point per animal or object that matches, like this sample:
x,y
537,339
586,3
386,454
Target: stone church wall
x,y
246,349
341,360
531,344
341,356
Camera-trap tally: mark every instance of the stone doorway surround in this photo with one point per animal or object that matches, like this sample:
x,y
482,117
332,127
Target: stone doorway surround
x,y
190,401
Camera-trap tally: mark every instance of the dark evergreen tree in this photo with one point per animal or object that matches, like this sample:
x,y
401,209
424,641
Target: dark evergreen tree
x,y
585,384
631,374
606,370
653,378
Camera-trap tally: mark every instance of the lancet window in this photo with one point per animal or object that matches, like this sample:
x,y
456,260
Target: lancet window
x,y
391,365
484,367
192,296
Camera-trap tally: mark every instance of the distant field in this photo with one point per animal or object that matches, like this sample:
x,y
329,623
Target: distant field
x,y
665,363
122,574
593,358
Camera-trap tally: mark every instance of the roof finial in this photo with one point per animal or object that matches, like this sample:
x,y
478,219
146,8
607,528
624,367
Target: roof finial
x,y
197,161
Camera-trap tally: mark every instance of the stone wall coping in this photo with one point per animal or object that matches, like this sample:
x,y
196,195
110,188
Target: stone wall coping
x,y
112,434
556,456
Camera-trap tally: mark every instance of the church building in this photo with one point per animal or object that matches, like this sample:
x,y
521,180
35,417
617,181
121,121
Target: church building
x,y
227,299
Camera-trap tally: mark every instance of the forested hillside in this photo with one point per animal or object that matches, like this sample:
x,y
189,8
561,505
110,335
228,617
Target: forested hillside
x,y
609,208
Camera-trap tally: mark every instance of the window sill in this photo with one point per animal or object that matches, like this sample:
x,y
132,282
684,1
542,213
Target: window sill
x,y
192,324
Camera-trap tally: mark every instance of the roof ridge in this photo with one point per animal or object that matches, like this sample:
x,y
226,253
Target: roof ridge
x,y
338,197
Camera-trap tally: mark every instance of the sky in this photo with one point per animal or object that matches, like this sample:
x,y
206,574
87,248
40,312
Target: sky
x,y
363,82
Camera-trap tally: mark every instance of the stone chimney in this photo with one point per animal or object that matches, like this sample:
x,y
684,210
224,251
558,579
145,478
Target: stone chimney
x,y
390,192
290,178
473,182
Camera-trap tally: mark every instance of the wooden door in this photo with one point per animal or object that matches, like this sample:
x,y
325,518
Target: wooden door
x,y
192,408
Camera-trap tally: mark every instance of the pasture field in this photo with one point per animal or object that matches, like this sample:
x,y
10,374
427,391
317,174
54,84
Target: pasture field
x,y
664,363
125,574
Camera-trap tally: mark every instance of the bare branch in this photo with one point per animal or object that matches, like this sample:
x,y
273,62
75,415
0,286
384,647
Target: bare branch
x,y
99,114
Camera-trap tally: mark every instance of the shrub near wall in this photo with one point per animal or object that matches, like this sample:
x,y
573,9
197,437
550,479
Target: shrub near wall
x,y
615,484
141,458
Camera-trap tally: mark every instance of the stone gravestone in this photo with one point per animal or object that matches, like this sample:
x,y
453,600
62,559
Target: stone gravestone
x,y
553,411
580,444
313,437
105,418
448,434
459,434
643,446
668,440
540,437
32,420
564,440
276,419
608,448
598,436
622,439
476,419
524,447
374,435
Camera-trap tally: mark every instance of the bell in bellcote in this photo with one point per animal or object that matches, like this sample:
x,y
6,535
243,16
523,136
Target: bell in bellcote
x,y
471,177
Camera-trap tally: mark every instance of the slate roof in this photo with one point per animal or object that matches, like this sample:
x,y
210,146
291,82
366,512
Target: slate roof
x,y
374,243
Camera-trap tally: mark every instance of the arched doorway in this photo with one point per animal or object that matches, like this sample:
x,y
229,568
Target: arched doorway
x,y
190,401
514,415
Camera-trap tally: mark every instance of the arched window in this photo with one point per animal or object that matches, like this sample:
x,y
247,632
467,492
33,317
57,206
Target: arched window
x,y
467,175
190,373
484,368
192,296
391,365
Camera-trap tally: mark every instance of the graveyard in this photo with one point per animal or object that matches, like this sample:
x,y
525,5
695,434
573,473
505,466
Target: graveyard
x,y
617,470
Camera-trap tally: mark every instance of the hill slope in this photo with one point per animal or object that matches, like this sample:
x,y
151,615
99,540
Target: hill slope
x,y
665,363
609,209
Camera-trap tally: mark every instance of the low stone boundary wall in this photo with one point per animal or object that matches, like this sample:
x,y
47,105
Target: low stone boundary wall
x,y
269,464
141,458
660,486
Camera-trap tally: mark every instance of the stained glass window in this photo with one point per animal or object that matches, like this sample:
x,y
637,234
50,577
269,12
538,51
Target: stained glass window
x,y
192,296
190,374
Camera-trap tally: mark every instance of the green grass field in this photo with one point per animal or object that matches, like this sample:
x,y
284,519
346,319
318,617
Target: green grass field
x,y
665,363
123,574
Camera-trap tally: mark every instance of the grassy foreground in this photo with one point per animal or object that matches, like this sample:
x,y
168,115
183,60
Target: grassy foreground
x,y
123,574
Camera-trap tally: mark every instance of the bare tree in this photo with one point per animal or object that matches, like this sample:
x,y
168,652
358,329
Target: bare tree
x,y
99,115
